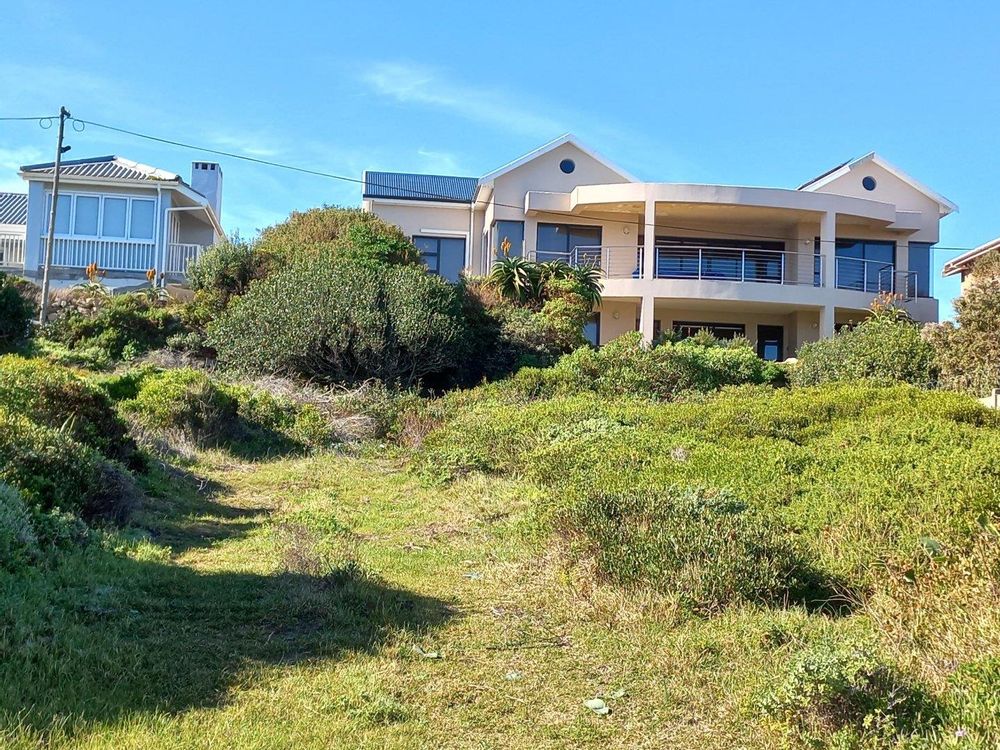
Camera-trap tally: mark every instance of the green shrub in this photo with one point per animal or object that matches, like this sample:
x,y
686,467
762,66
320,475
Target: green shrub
x,y
348,233
627,367
967,352
345,322
18,543
843,693
123,327
263,414
54,396
54,471
16,312
972,703
708,548
225,271
186,401
884,347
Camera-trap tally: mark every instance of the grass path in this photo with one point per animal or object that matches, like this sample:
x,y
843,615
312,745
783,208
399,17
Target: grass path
x,y
295,604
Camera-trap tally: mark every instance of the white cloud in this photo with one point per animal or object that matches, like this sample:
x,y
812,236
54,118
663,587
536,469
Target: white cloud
x,y
414,84
439,162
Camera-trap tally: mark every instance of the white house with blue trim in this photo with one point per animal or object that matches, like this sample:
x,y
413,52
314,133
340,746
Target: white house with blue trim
x,y
124,216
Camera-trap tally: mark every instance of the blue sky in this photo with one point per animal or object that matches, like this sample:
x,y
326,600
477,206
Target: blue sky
x,y
746,93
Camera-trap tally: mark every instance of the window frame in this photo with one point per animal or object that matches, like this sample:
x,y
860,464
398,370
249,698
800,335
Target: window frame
x,y
570,228
72,195
438,238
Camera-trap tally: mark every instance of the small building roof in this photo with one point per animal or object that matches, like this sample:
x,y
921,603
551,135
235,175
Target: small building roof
x,y
963,262
419,187
105,168
13,208
551,146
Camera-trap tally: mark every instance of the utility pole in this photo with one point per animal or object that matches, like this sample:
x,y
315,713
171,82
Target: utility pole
x,y
60,150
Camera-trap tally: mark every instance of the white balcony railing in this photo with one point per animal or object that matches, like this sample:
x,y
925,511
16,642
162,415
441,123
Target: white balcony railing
x,y
179,257
11,250
109,255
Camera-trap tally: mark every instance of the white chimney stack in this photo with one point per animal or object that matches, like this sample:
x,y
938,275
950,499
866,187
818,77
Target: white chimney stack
x,y
206,178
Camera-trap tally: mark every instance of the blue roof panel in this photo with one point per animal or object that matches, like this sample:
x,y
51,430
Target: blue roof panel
x,y
13,208
420,187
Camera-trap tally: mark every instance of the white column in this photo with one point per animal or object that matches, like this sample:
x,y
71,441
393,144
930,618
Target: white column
x,y
646,318
649,254
828,248
826,321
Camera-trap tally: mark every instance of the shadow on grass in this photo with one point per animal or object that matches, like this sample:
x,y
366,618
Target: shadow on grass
x,y
103,636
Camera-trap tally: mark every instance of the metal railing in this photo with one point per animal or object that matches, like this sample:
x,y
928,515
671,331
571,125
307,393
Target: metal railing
x,y
614,261
754,265
12,250
179,257
874,277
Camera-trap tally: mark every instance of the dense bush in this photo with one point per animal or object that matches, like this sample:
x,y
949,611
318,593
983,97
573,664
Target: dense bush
x,y
18,543
708,548
16,312
626,367
226,270
885,347
348,233
52,395
340,321
122,327
844,694
968,351
54,471
185,401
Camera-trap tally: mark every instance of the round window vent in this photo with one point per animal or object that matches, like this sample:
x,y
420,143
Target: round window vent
x,y
567,166
868,183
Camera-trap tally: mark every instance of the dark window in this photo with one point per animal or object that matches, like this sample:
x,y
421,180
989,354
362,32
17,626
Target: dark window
x,y
920,264
567,242
567,166
512,232
770,342
865,265
868,183
725,331
443,255
729,260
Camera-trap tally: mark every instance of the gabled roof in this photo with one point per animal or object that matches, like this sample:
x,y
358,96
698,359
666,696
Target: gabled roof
x,y
105,168
419,187
13,208
964,261
551,145
945,205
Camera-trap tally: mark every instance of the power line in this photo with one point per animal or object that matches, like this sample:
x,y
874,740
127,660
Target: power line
x,y
15,119
414,193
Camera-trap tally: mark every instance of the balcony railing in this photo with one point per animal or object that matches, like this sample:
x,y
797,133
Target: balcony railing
x,y
874,277
11,250
179,257
754,265
109,255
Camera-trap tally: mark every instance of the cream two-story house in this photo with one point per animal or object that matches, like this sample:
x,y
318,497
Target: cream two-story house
x,y
779,266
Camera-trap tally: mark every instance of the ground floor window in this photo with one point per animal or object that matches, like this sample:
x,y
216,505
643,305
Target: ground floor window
x,y
444,256
592,329
724,331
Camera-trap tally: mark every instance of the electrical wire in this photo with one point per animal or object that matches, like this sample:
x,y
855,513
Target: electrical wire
x,y
357,181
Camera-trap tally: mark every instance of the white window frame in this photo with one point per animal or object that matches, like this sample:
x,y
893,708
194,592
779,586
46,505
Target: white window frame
x,y
72,195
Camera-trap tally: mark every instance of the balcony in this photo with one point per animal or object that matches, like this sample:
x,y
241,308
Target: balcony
x,y
742,265
179,257
12,251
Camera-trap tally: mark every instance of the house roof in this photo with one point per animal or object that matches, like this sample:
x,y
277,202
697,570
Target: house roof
x,y
551,145
945,205
13,208
964,261
106,168
419,187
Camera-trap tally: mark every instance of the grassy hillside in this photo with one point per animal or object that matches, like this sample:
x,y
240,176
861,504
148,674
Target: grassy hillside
x,y
756,568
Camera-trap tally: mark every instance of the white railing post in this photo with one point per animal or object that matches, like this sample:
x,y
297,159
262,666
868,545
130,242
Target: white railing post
x,y
743,265
699,263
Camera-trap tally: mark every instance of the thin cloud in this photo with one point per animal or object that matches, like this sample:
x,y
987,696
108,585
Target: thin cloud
x,y
413,84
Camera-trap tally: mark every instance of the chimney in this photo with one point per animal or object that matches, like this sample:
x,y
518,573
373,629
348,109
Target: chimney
x,y
206,178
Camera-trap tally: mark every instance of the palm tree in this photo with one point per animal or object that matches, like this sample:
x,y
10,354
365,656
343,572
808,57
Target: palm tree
x,y
516,279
